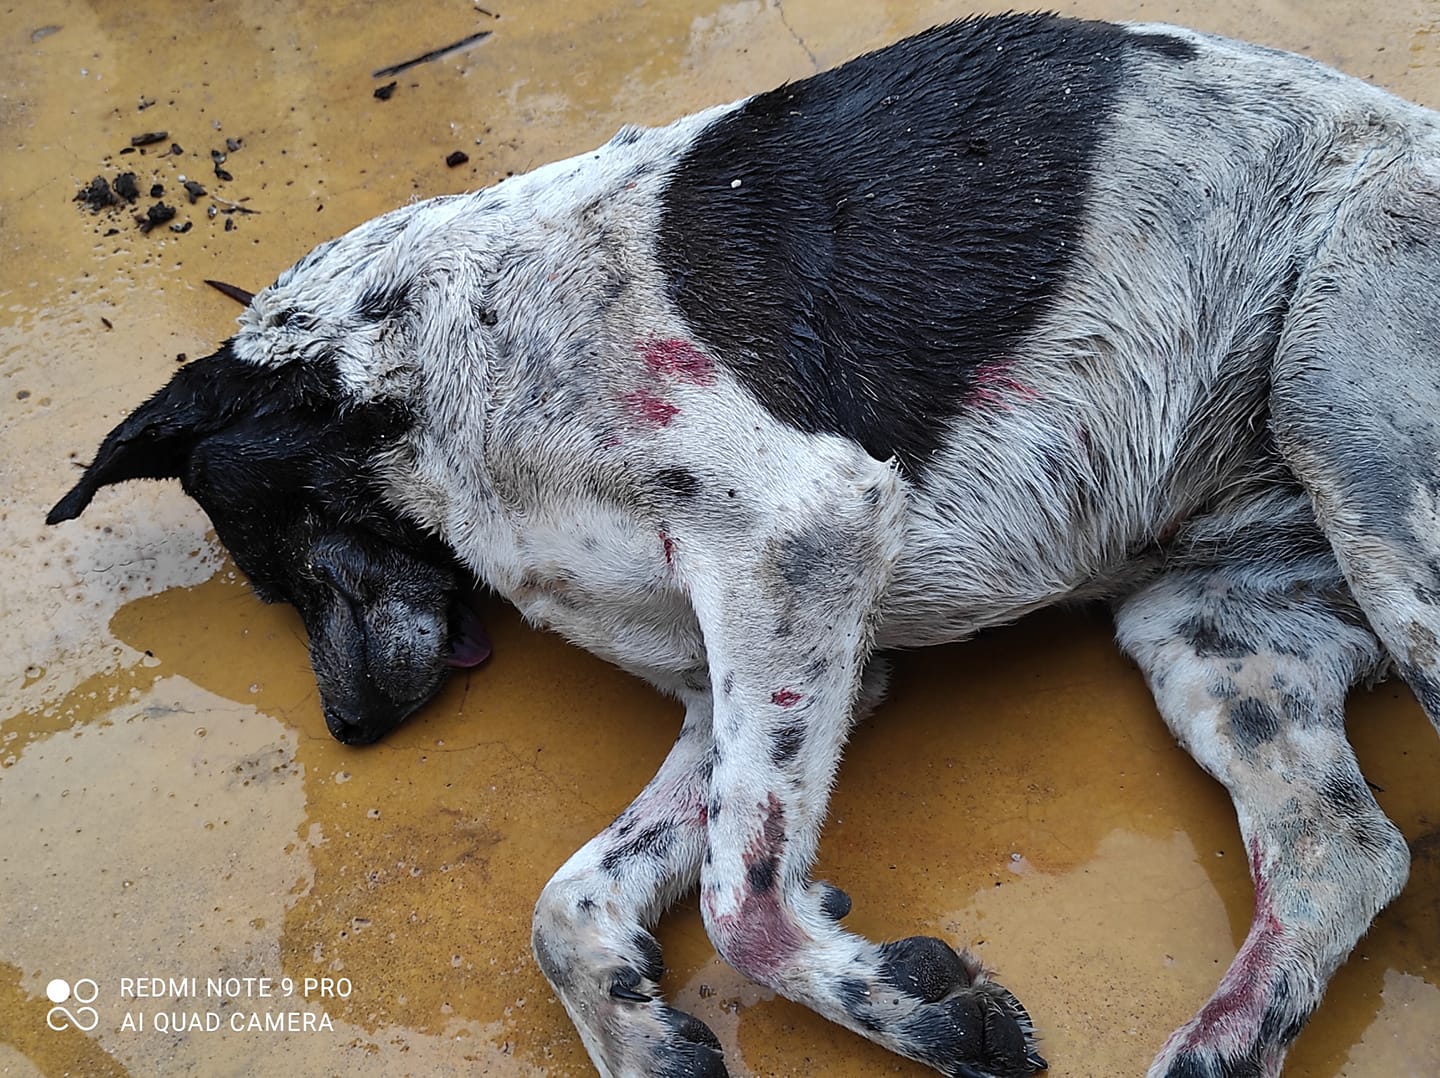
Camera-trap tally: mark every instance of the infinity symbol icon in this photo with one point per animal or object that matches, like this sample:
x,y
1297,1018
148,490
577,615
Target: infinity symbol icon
x,y
84,1018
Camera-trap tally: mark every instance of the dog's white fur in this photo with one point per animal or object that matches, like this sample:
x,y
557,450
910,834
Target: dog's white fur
x,y
1187,433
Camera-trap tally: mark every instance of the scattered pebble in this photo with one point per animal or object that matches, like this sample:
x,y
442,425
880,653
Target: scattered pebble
x,y
383,93
148,138
157,190
157,214
97,194
459,157
127,187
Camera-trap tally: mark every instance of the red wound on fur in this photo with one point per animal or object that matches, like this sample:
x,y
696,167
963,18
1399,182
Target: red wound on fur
x,y
786,698
1234,1014
650,408
669,548
994,387
680,359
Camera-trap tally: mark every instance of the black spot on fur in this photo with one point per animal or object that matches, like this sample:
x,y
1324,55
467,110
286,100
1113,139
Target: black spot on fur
x,y
652,964
855,998
626,135
786,742
1165,45
1224,689
761,874
1190,1065
586,904
1253,722
380,304
857,183
728,683
678,481
802,555
654,841
1210,641
1285,1016
1345,794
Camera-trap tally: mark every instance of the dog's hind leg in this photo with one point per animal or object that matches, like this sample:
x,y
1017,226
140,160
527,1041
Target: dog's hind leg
x,y
1356,410
1249,660
787,613
591,935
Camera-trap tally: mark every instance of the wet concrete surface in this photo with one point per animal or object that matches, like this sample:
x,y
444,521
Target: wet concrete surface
x,y
170,803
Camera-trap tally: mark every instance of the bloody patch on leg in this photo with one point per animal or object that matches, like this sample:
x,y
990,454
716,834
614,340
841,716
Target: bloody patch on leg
x,y
761,937
1242,1003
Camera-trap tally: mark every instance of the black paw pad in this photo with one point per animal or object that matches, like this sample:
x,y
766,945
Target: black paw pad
x,y
693,1051
924,966
835,904
979,1033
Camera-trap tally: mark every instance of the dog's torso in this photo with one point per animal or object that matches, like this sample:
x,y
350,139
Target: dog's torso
x,y
579,454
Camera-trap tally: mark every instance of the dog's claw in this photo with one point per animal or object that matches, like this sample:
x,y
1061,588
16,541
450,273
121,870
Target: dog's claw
x,y
1037,1061
624,986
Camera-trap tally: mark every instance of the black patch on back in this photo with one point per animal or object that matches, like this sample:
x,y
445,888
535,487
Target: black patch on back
x,y
900,222
1165,45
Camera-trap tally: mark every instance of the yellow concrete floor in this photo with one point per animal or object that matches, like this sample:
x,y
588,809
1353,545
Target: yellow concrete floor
x,y
170,804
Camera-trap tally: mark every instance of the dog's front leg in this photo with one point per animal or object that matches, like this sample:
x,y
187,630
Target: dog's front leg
x,y
787,624
591,935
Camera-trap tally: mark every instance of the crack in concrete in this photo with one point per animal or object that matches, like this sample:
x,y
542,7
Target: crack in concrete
x,y
785,21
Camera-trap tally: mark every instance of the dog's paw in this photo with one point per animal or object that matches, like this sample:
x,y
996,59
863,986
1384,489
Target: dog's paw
x,y
688,1049
948,1013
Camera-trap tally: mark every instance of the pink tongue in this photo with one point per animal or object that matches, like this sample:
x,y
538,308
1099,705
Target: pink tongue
x,y
471,647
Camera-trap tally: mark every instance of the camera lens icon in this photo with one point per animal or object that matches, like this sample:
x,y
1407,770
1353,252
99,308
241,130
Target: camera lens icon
x,y
61,991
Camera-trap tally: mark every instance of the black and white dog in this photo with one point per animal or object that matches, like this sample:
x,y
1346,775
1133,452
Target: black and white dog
x,y
1019,311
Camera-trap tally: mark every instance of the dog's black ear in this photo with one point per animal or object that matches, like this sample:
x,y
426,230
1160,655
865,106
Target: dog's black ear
x,y
155,441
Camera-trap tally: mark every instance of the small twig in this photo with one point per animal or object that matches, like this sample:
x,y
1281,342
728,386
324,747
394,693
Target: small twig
x,y
235,292
433,54
231,207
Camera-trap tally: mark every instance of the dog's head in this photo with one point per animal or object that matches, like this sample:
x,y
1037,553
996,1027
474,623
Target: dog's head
x,y
274,442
